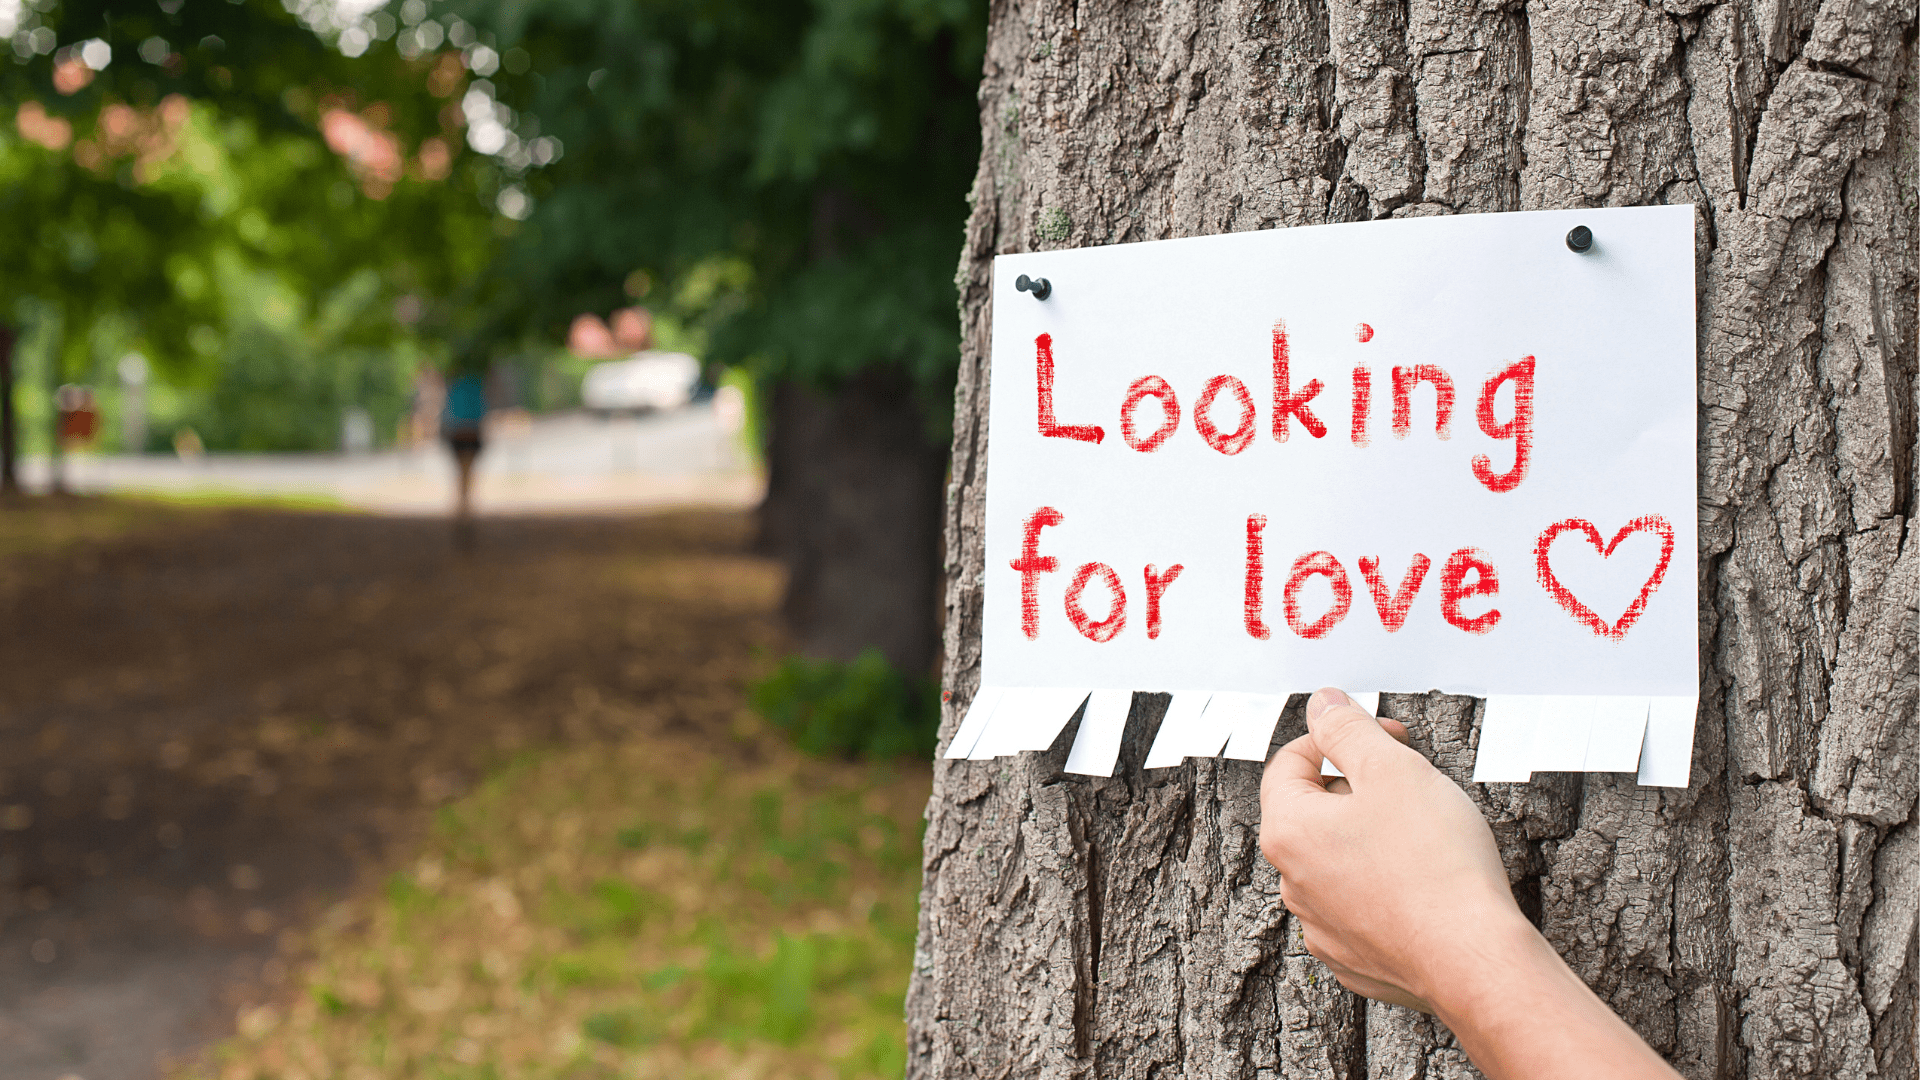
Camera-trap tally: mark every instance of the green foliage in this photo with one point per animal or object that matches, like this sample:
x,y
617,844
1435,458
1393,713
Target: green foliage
x,y
783,181
862,709
282,374
80,248
819,153
254,59
182,203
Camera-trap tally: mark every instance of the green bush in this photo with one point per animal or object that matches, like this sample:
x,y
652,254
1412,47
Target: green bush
x,y
863,709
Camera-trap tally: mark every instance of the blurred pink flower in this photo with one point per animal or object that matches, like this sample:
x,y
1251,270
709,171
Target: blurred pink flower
x,y
435,159
70,76
633,328
36,126
375,155
590,338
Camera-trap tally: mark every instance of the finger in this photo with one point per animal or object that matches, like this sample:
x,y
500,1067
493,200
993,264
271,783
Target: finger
x,y
1339,786
1288,790
1392,727
1354,741
1321,947
1374,988
1293,770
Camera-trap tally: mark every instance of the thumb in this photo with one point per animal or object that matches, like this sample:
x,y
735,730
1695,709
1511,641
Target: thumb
x,y
1346,735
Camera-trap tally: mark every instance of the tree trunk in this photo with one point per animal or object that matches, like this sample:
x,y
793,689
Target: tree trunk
x,y
1758,924
853,509
9,433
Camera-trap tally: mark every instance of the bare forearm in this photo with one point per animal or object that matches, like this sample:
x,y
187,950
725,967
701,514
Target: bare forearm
x,y
1525,1015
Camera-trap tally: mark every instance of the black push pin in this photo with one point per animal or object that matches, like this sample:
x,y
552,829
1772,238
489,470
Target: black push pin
x,y
1580,240
1041,288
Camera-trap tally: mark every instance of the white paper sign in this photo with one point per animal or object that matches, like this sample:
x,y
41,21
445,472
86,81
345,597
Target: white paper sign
x,y
1439,453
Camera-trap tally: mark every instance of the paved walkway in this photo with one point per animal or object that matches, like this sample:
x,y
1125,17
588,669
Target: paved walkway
x,y
561,463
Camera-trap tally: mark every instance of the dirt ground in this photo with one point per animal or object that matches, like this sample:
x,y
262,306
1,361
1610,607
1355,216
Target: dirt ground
x,y
214,724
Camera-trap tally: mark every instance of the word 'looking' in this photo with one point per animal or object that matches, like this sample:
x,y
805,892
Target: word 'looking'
x,y
1291,405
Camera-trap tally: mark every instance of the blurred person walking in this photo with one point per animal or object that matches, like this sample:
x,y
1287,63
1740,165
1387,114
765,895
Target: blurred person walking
x,y
462,423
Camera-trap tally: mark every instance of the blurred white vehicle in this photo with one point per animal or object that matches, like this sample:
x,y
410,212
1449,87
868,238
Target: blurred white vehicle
x,y
645,380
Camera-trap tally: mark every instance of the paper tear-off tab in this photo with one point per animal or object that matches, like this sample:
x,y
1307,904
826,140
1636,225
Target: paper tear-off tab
x,y
1561,728
1097,747
1252,732
1619,725
1028,718
979,711
1506,740
1180,731
1521,734
1666,754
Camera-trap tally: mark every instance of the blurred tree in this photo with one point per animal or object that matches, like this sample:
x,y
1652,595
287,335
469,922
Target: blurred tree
x,y
81,244
276,242
790,178
793,178
9,438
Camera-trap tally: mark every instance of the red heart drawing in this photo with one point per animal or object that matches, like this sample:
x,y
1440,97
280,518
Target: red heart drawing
x,y
1652,523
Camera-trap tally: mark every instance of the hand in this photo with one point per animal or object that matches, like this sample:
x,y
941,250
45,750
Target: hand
x,y
1388,870
1400,891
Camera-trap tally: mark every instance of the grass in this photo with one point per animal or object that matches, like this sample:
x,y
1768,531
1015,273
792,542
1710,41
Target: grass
x,y
650,910
36,525
211,497
31,525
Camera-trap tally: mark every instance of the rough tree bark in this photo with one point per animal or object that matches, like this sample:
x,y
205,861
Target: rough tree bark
x,y
1758,924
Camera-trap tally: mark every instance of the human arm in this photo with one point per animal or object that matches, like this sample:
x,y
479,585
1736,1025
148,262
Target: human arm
x,y
1400,891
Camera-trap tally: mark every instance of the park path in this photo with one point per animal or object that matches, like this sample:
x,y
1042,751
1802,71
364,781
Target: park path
x,y
210,728
550,463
